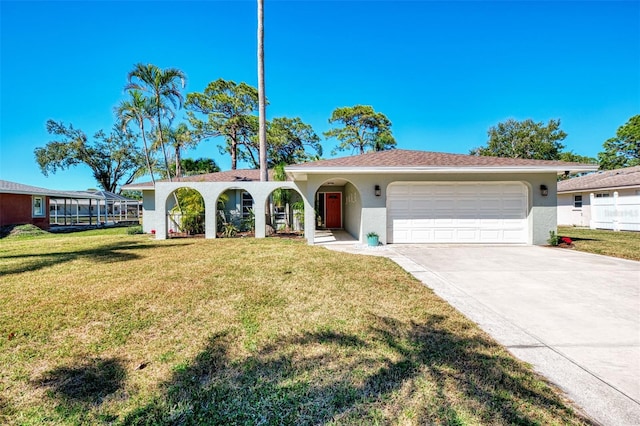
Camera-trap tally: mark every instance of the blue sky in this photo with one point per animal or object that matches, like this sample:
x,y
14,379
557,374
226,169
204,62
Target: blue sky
x,y
443,72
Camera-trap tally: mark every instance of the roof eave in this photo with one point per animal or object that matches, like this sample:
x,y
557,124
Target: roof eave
x,y
51,194
293,170
599,188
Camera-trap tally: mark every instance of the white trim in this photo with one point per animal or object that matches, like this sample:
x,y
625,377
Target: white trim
x,y
295,171
42,206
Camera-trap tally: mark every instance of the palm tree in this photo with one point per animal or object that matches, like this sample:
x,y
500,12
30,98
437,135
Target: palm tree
x,y
262,134
162,88
179,138
137,108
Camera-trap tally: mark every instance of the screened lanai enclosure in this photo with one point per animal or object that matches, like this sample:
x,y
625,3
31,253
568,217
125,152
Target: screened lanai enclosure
x,y
93,208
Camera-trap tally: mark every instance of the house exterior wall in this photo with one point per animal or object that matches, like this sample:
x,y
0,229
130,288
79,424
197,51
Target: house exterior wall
x,y
363,211
17,209
569,215
150,216
542,216
351,210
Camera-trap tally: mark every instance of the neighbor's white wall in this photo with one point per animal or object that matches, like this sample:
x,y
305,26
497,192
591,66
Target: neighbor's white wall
x,y
619,212
568,215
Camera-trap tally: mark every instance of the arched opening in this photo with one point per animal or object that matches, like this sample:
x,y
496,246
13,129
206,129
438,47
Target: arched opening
x,y
285,213
235,214
185,213
338,206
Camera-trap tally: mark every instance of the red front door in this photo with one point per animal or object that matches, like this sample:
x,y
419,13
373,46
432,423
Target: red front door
x,y
333,206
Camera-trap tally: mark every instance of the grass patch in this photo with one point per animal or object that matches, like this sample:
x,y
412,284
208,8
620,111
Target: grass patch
x,y
21,231
623,244
123,329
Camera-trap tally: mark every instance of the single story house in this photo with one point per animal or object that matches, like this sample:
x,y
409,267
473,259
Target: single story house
x,y
403,196
608,199
24,204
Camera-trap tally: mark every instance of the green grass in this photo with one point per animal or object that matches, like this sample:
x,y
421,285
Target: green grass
x,y
104,328
623,244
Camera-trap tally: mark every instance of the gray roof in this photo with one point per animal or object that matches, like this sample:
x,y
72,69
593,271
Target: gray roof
x,y
8,187
399,159
240,175
628,177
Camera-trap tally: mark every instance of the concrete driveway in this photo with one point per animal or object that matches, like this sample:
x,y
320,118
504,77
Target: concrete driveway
x,y
574,316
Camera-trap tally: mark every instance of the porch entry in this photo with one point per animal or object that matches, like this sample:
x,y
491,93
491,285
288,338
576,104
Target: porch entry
x,y
330,208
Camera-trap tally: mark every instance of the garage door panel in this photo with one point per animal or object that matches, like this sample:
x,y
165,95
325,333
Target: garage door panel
x,y
490,235
449,212
467,235
443,234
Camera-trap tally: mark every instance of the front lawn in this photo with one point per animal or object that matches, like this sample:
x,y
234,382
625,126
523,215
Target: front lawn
x,y
623,244
119,329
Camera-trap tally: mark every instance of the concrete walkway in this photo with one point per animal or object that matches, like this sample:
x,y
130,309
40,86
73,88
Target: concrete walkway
x,y
574,316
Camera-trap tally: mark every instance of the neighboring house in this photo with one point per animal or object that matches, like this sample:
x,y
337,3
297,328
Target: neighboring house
x,y
403,196
24,204
603,200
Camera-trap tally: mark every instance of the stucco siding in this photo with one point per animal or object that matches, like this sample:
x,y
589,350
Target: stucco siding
x,y
150,217
363,211
542,216
351,211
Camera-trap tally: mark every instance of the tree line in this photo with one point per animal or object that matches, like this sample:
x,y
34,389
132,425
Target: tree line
x,y
225,111
147,139
528,139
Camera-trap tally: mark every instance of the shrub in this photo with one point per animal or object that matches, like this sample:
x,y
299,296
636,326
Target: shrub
x,y
132,230
554,239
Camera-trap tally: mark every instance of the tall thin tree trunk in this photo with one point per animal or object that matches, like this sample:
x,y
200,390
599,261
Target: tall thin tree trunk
x,y
146,153
164,151
178,161
262,135
234,154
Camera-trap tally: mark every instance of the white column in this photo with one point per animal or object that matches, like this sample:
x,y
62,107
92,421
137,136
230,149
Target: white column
x,y
259,214
309,221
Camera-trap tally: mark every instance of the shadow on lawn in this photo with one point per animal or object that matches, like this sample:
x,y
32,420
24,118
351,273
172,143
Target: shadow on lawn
x,y
114,252
80,387
325,377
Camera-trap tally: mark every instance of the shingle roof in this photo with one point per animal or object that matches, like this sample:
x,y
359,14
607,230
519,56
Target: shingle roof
x,y
9,187
243,175
618,178
424,159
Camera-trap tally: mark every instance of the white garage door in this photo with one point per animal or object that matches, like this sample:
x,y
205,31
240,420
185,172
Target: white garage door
x,y
457,212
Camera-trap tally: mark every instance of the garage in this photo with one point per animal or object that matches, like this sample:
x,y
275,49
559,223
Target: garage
x,y
457,212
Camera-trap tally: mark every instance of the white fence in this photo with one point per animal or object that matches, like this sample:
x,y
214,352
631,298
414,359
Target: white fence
x,y
616,213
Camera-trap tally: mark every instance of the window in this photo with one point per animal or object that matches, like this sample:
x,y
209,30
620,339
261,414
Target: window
x,y
247,204
38,207
577,201
602,195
